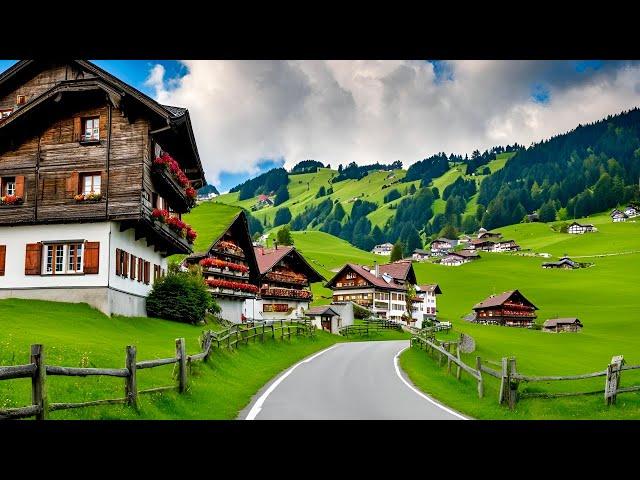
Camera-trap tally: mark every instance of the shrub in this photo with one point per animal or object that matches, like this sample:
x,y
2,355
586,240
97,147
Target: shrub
x,y
182,297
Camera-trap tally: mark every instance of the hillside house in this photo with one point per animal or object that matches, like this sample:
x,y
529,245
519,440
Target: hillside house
x,y
95,176
285,278
424,303
564,262
381,288
578,229
420,255
383,249
618,216
464,240
262,202
532,217
455,259
505,246
485,235
480,244
442,246
229,267
556,325
510,309
631,211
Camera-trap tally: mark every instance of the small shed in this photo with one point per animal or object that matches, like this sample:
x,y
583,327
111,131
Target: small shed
x,y
556,325
325,318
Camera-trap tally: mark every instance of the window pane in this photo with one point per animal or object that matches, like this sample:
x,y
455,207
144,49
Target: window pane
x,y
49,258
96,183
79,260
71,258
59,258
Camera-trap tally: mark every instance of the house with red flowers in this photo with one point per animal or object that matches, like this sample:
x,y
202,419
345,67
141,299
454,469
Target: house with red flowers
x,y
229,264
509,309
285,279
95,177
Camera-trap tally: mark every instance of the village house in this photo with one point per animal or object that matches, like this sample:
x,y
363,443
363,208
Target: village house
x,y
455,259
381,289
325,318
464,240
424,303
229,265
532,217
442,246
285,278
578,229
631,211
505,246
480,244
510,309
483,234
564,262
555,325
618,216
95,176
383,249
420,255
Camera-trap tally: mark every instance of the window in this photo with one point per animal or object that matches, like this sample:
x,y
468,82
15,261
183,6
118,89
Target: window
x,y
21,99
5,113
8,186
62,258
90,183
91,129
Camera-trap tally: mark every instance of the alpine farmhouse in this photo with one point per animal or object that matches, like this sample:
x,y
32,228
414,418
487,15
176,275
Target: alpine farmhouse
x,y
381,289
284,278
95,176
579,229
424,303
509,309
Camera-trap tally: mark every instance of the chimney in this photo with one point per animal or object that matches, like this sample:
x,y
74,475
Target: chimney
x,y
377,269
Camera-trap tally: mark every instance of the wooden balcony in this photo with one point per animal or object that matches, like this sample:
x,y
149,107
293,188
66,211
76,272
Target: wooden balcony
x,y
158,234
294,279
277,292
227,272
169,188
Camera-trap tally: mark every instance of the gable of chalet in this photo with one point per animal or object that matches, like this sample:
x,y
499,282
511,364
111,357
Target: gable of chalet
x,y
171,125
268,258
369,278
499,300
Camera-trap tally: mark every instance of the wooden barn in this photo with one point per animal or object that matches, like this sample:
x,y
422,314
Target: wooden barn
x,y
509,308
564,262
556,325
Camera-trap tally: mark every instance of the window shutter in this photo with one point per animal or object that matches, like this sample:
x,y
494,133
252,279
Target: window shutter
x,y
3,256
91,257
118,262
32,259
140,269
77,129
103,182
147,273
132,272
20,186
73,183
125,267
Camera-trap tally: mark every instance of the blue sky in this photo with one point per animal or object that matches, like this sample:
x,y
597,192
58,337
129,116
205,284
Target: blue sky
x,y
250,116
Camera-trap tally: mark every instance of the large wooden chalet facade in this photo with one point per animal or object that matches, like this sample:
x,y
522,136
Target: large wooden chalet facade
x,y
94,176
510,308
381,289
285,278
230,268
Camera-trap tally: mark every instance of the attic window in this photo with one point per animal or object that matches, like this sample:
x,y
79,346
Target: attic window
x,y
91,129
21,99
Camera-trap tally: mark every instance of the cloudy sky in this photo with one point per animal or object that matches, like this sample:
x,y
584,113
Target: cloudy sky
x,y
251,115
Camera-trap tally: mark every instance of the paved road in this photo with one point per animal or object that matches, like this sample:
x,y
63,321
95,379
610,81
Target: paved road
x,y
350,381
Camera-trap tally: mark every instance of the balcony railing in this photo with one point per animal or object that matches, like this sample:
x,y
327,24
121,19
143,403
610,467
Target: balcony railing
x,y
224,246
286,293
293,278
170,189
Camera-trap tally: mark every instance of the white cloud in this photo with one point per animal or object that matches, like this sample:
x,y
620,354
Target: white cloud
x,y
369,111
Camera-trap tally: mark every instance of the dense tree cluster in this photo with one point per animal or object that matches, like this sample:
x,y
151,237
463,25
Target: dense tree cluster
x,y
392,195
306,166
427,169
282,216
462,188
356,172
265,183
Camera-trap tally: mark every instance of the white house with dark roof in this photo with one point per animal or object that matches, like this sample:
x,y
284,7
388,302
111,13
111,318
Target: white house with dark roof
x,y
424,303
578,228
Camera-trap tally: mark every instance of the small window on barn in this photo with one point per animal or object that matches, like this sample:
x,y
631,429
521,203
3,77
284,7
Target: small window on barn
x,y
21,99
90,183
91,129
5,113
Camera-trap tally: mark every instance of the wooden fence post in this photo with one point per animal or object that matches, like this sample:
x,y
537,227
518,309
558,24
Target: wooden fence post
x,y
458,370
504,385
513,384
273,331
263,326
613,380
182,365
480,380
39,382
130,382
281,330
208,341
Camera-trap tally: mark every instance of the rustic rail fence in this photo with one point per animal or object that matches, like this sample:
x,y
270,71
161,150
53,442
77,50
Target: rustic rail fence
x,y
38,371
369,326
510,378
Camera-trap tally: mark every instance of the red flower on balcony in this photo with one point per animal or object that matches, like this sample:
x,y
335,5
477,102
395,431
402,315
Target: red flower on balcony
x,y
174,223
191,193
167,162
11,200
214,262
246,287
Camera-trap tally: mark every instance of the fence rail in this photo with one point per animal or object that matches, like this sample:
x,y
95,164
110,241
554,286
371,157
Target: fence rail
x,y
510,378
369,326
38,371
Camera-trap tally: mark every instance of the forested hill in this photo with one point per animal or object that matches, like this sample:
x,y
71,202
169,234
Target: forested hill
x,y
590,169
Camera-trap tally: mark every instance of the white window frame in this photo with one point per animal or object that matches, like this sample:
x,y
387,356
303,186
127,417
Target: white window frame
x,y
51,259
96,181
6,184
92,126
5,113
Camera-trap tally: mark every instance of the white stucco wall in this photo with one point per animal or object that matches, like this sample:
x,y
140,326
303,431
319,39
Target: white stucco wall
x,y
253,309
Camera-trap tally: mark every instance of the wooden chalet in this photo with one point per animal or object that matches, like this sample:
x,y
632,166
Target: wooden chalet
x,y
485,235
481,244
381,288
564,262
510,308
285,279
230,268
460,257
95,176
505,246
556,325
579,228
419,254
631,211
441,246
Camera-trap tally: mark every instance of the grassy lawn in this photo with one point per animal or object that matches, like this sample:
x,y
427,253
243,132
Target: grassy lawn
x,y
75,335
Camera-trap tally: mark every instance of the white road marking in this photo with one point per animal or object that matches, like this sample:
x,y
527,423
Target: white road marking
x,y
448,410
255,410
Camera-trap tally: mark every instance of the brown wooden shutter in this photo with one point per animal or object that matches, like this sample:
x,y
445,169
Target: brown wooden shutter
x,y
20,186
140,269
103,183
147,272
3,256
118,262
32,259
73,187
77,129
91,257
132,272
125,267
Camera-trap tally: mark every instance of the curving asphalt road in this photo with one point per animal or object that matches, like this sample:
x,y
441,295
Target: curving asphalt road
x,y
349,381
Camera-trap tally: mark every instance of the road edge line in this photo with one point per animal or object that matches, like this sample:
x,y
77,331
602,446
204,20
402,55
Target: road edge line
x,y
257,406
426,397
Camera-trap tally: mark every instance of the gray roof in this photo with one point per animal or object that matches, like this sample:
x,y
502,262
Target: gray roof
x,y
175,111
321,310
552,322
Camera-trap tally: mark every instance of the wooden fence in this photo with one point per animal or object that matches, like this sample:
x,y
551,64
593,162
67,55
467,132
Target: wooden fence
x,y
38,370
369,326
510,378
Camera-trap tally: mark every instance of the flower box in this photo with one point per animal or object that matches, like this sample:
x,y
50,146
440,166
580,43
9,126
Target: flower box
x,y
175,224
11,200
89,197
